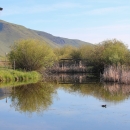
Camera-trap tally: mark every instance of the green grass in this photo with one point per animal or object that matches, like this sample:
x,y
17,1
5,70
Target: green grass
x,y
9,75
15,84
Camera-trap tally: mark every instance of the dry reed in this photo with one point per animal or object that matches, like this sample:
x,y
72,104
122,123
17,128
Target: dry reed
x,y
68,69
119,74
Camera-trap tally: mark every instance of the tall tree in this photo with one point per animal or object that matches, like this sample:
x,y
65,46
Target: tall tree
x,y
114,52
31,54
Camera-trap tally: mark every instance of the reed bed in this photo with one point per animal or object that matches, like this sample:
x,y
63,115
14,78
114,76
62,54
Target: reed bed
x,y
68,69
119,74
8,75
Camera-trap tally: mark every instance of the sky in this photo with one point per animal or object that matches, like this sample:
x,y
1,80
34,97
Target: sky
x,y
88,20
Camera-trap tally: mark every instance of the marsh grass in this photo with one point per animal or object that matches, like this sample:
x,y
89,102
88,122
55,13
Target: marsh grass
x,y
68,69
119,74
9,75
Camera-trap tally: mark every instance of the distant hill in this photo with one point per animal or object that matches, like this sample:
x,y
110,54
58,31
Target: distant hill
x,y
12,32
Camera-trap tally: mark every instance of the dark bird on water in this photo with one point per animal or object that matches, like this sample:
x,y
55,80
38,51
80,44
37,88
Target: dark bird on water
x,y
104,106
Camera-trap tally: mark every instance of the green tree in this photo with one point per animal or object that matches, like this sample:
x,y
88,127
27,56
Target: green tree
x,y
114,52
31,54
107,52
75,54
64,52
97,59
86,52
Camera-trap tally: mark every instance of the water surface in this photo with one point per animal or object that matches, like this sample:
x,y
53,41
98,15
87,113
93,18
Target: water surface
x,y
68,102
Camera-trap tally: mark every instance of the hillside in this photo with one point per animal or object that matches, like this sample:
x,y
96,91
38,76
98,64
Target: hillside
x,y
11,32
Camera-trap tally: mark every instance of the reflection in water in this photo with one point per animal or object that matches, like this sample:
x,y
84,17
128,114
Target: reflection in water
x,y
100,91
38,97
74,101
33,97
114,88
117,91
78,78
89,85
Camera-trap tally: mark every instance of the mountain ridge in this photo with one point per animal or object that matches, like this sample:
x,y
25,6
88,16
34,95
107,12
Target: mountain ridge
x,y
10,32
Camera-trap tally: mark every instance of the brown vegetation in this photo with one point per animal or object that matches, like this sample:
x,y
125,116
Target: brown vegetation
x,y
115,88
119,74
68,69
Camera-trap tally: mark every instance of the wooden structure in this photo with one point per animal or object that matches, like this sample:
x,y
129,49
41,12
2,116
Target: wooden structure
x,y
63,63
69,66
7,64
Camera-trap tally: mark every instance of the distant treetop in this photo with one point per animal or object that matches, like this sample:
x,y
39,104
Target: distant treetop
x,y
1,8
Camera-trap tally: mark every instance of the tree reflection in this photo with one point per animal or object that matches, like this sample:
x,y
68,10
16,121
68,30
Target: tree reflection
x,y
118,91
108,92
38,97
33,97
78,78
89,85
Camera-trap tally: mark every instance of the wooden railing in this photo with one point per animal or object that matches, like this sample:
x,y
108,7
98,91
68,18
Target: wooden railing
x,y
5,64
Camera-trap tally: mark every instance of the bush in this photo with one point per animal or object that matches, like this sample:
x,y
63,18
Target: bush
x,y
31,55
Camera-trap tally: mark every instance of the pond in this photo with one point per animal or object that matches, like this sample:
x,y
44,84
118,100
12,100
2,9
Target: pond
x,y
65,102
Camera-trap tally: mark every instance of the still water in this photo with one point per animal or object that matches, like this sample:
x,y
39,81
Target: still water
x,y
65,102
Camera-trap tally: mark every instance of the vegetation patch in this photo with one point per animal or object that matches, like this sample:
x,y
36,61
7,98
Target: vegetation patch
x,y
119,74
9,75
31,55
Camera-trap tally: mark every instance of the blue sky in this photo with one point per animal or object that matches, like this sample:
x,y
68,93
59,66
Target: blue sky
x,y
88,20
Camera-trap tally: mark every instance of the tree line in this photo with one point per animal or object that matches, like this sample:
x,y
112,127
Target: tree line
x,y
33,54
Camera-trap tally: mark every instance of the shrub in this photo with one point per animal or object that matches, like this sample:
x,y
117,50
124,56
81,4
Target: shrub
x,y
31,55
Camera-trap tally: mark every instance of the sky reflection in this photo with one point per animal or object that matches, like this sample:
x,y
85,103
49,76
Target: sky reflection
x,y
61,107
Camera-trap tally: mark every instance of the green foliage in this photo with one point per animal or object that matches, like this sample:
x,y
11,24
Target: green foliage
x,y
75,54
64,52
31,55
9,75
86,52
107,52
114,52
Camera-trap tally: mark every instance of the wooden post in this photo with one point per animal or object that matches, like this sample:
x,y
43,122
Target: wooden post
x,y
63,65
80,79
80,64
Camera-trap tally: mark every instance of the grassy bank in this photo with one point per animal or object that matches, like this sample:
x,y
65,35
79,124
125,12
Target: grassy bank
x,y
9,75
